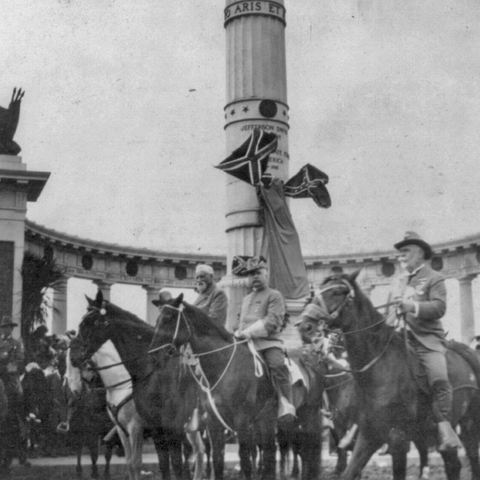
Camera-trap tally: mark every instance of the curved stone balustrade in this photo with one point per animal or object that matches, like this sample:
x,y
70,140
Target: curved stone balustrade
x,y
108,263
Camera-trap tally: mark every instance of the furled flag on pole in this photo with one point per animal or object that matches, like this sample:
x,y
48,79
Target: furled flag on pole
x,y
249,161
309,182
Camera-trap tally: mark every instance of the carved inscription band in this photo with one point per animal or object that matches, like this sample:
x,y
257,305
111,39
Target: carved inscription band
x,y
256,7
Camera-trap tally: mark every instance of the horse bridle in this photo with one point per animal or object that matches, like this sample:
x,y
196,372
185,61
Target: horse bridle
x,y
320,312
180,317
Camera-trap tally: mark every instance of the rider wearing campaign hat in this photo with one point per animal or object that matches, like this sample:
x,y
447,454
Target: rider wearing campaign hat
x,y
261,319
422,302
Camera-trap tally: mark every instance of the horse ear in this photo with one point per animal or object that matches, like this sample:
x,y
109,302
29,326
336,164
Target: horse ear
x,y
353,276
178,301
89,300
99,298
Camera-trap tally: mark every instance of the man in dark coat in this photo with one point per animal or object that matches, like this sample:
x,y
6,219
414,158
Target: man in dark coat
x,y
211,299
422,302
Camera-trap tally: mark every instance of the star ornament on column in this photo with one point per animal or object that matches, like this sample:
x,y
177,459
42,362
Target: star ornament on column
x,y
249,161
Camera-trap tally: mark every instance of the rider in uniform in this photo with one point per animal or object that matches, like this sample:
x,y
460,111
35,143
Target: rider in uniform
x,y
422,302
261,319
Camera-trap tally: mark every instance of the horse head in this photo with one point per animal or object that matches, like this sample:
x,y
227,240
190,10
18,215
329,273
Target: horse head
x,y
93,331
172,326
330,308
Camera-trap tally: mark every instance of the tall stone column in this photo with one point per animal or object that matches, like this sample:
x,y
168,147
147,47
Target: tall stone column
x,y
60,304
467,317
256,98
152,310
17,187
105,287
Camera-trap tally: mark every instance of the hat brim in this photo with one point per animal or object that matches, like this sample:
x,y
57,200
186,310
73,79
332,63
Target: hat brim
x,y
157,303
420,243
253,270
11,324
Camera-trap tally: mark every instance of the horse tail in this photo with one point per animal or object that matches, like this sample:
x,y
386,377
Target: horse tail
x,y
469,355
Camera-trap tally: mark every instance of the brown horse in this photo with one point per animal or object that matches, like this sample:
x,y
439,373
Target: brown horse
x,y
393,408
240,397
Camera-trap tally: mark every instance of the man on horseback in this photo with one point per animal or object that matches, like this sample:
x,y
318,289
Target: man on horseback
x,y
422,303
211,299
261,319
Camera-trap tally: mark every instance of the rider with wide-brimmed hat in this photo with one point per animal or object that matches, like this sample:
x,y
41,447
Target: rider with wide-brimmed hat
x,y
422,302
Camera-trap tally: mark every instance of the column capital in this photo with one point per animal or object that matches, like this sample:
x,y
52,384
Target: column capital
x,y
467,278
152,288
103,285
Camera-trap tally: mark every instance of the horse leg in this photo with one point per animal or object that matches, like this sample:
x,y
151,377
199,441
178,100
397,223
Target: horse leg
x,y
342,456
362,452
245,449
78,470
195,440
469,437
175,452
161,446
268,445
282,440
93,447
452,464
208,451
108,457
217,439
422,448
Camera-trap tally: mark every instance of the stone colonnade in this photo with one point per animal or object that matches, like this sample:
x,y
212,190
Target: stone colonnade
x,y
60,303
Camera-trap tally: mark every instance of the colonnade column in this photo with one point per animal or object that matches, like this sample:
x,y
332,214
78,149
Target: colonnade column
x,y
152,310
105,287
60,304
467,318
256,99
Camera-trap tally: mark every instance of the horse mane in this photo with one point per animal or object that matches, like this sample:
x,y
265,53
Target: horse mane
x,y
127,317
204,326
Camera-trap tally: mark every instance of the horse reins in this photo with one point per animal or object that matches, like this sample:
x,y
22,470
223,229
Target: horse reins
x,y
322,313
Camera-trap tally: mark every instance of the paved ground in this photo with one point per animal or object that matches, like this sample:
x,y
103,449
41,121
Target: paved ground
x,y
231,459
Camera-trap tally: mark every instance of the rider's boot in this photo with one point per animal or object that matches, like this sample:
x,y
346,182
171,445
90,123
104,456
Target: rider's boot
x,y
286,410
448,438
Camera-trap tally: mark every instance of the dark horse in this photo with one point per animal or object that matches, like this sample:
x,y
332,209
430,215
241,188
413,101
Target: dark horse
x,y
393,407
240,397
164,399
87,420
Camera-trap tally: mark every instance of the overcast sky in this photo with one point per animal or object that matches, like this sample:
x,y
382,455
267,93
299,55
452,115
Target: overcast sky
x,y
124,105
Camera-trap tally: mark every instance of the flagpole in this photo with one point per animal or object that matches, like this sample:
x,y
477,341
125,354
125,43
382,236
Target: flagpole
x,y
256,97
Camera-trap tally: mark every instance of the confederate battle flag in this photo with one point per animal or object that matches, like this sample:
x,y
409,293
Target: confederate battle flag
x,y
249,161
309,182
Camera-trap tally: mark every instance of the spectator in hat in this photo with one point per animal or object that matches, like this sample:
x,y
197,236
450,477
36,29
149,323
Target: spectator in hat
x,y
211,299
12,364
261,319
421,302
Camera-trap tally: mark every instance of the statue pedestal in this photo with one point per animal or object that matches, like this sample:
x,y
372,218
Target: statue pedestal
x,y
17,187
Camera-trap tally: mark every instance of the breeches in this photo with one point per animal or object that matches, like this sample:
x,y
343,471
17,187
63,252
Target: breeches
x,y
275,359
434,363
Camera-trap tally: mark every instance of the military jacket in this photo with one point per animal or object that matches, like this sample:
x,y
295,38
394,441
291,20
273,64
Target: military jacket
x,y
427,288
267,305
